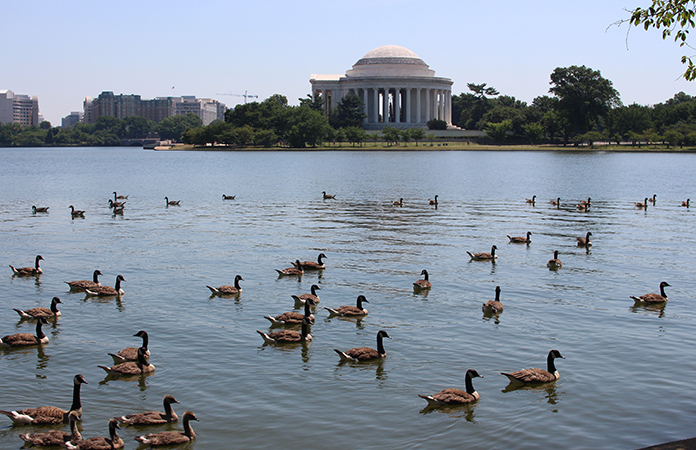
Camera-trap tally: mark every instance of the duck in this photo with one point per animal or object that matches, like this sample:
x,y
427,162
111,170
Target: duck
x,y
643,205
173,202
227,289
141,367
399,202
350,311
433,202
537,376
360,354
556,203
687,203
531,200
228,197
39,209
152,417
114,441
115,205
45,415
520,239
297,269
484,256
105,291
555,263
493,306
653,199
26,339
327,196
585,241
120,197
86,284
292,317
131,353
455,396
288,336
315,265
76,212
28,271
171,437
653,298
54,438
424,283
300,301
35,313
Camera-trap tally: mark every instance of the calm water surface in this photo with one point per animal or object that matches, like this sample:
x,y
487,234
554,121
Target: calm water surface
x,y
626,381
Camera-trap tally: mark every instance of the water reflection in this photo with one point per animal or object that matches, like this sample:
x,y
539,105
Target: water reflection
x,y
648,309
466,411
381,374
489,314
551,394
141,379
41,358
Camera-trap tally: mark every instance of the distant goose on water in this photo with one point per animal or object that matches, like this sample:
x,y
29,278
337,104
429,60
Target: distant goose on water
x,y
227,289
455,396
142,366
172,202
555,263
39,209
520,239
483,256
423,284
653,298
537,376
350,311
300,301
585,241
493,306
360,354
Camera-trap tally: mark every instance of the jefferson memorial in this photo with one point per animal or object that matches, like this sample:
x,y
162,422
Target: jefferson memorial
x,y
397,88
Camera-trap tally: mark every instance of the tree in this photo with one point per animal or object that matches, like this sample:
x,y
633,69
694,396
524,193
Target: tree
x,y
173,126
673,17
481,91
417,134
45,125
135,127
316,103
437,124
265,138
534,132
355,135
390,135
406,135
306,127
498,131
350,112
244,135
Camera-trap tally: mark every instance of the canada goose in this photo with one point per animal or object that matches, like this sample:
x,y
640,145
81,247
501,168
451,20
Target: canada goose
x,y
531,376
424,283
582,207
105,291
350,311
113,204
654,298
298,269
227,289
120,197
131,353
171,437
687,203
643,205
531,200
585,241
557,202
35,313
76,212
493,306
142,366
55,438
300,301
26,339
86,284
433,202
228,197
28,271
287,336
520,239
455,396
399,202
484,256
653,199
315,265
152,417
118,210
365,353
173,202
328,196
39,209
554,263
292,317
114,441
49,414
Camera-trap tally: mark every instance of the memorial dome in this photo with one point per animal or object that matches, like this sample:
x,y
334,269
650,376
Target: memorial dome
x,y
390,61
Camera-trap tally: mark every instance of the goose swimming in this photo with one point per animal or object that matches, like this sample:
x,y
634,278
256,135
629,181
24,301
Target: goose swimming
x,y
49,414
54,438
300,301
107,291
359,354
424,283
35,313
114,441
521,239
86,284
654,298
28,271
26,339
152,417
171,437
535,376
287,336
493,306
227,289
483,256
455,396
350,311
292,317
142,366
131,353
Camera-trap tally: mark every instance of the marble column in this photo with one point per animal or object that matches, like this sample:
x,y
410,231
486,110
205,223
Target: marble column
x,y
397,105
365,110
375,106
385,106
428,111
419,93
408,105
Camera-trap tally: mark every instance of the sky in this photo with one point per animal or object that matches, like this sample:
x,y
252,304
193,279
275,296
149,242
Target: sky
x,y
64,51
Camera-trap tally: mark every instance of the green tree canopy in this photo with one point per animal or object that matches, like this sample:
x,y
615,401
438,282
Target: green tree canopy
x,y
172,127
350,112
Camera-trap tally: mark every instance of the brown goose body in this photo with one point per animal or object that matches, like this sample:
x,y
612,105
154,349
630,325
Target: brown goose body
x,y
293,317
39,209
557,202
114,441
643,205
45,415
582,207
287,336
521,239
585,241
532,200
493,306
433,202
350,311
315,265
228,197
424,283
113,204
171,437
54,438
484,256
554,263
653,298
227,289
35,313
86,284
28,271
455,396
399,202
120,197
152,417
687,203
297,269
653,199
131,353
26,339
107,291
76,212
359,354
536,376
141,367
172,202
300,301
327,196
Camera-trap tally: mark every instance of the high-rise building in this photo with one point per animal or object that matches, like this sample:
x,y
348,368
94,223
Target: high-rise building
x,y
6,106
19,109
72,119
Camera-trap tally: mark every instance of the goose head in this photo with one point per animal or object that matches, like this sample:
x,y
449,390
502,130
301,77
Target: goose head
x,y
361,299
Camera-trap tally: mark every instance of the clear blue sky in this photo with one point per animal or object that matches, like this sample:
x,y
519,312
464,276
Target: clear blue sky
x,y
64,51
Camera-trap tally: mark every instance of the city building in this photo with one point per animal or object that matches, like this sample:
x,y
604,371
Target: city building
x,y
19,109
72,119
397,88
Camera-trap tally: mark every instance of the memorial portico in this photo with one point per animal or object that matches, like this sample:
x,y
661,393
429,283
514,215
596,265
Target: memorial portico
x,y
397,88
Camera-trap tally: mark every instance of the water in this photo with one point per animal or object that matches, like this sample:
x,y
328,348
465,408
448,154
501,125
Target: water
x,y
625,382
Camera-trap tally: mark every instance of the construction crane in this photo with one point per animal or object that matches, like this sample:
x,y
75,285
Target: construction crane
x,y
245,95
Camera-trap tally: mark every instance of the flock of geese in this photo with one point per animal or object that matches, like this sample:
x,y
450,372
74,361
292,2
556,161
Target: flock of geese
x,y
134,361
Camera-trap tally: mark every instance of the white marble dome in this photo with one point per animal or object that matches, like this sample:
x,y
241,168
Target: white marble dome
x,y
390,61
